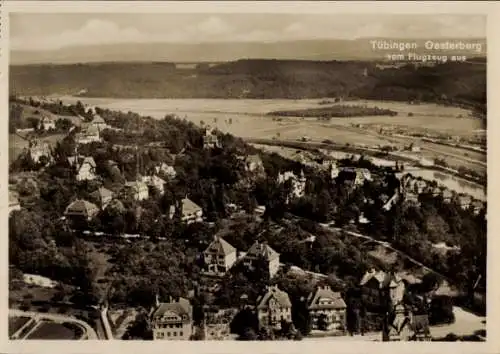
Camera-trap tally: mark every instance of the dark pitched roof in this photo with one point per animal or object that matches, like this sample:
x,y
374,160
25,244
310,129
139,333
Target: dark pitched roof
x,y
221,246
181,308
262,250
335,299
273,292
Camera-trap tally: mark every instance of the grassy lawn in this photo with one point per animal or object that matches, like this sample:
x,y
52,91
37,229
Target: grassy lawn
x,y
52,330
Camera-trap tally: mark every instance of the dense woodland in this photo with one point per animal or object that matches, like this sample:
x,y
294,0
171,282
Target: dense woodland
x,y
167,261
449,83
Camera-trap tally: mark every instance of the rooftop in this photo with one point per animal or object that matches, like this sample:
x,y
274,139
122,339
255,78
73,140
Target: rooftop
x,y
273,293
262,250
324,292
221,246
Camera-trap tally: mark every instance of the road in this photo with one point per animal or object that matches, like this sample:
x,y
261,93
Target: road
x,y
89,331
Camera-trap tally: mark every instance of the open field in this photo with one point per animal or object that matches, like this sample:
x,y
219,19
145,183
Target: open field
x,y
247,118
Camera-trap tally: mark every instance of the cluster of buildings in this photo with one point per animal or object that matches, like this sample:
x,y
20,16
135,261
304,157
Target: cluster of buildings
x,y
173,320
411,187
220,256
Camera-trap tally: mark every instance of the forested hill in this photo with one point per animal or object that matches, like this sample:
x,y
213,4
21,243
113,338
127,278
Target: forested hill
x,y
457,83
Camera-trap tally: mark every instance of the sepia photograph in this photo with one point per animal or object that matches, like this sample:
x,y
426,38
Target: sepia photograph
x,y
247,176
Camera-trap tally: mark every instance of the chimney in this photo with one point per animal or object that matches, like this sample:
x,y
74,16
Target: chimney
x,y
157,300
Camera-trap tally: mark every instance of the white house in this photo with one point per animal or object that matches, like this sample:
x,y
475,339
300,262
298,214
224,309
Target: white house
x,y
155,182
274,307
327,309
84,167
219,256
262,251
172,320
298,183
139,190
47,123
190,211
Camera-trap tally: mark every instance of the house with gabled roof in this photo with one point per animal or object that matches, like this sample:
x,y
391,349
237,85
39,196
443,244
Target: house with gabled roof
x,y
327,309
88,134
137,189
13,201
210,139
219,256
47,123
172,320
165,170
81,209
38,149
84,167
102,197
274,307
98,122
261,251
155,182
379,286
190,211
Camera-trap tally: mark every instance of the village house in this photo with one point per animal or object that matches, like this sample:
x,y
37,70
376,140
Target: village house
x,y
190,211
155,182
253,164
464,200
13,201
274,307
37,150
47,123
357,176
262,251
81,209
331,167
477,206
298,183
327,309
84,167
137,189
88,135
378,286
172,320
165,170
217,324
98,122
210,139
219,256
102,197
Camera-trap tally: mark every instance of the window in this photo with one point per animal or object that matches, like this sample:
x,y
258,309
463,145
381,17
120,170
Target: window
x,y
178,325
175,334
168,334
180,334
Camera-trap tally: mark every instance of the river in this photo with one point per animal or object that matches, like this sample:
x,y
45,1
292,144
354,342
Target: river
x,y
247,118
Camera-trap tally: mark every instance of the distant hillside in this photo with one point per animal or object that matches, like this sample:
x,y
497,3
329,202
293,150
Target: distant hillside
x,y
331,49
457,83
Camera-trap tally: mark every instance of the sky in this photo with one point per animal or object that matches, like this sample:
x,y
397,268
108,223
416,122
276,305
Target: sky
x,y
50,31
